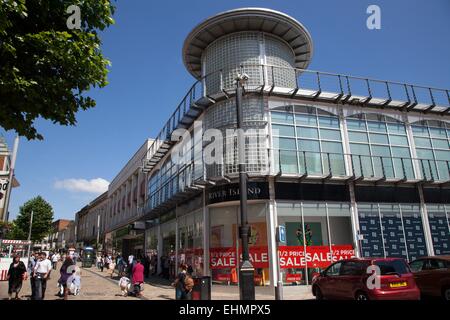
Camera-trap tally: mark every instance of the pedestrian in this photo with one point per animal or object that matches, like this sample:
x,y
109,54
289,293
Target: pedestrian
x,y
98,260
183,284
146,266
55,259
16,274
111,267
124,284
41,272
102,263
107,261
64,272
138,278
31,264
154,264
74,283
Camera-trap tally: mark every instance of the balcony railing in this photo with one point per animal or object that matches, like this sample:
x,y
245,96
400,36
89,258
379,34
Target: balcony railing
x,y
361,167
296,83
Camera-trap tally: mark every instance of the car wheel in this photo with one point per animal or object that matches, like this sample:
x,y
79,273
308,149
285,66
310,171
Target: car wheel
x,y
318,293
446,294
361,296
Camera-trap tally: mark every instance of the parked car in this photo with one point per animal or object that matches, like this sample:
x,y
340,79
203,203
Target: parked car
x,y
432,275
347,279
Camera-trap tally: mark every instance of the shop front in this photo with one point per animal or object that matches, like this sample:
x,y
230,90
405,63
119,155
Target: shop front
x,y
128,241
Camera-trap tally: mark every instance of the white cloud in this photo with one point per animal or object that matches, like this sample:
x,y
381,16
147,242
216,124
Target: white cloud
x,y
97,186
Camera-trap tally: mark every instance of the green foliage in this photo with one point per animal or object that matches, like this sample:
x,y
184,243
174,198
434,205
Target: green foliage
x,y
42,219
45,67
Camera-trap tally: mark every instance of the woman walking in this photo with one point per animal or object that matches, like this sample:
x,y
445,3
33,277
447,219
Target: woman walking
x,y
16,274
65,273
138,278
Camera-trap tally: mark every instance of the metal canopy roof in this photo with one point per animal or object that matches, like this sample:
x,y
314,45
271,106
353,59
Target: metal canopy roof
x,y
247,19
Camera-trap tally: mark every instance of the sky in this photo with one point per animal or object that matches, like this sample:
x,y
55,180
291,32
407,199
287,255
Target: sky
x,y
147,80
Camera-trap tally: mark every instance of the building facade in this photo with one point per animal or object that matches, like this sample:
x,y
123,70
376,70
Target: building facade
x,y
347,166
126,195
54,240
91,222
5,164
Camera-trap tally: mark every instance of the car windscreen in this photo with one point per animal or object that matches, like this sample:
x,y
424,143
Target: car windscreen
x,y
392,267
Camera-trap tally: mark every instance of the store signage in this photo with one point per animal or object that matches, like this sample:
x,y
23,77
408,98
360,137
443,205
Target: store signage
x,y
3,189
314,256
293,277
230,192
289,256
225,257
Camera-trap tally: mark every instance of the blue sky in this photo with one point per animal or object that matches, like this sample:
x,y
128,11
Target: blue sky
x,y
148,79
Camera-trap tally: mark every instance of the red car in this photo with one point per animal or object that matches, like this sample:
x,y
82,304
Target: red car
x,y
432,275
348,279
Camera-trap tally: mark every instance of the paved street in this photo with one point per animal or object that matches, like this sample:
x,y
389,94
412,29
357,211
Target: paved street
x,y
96,285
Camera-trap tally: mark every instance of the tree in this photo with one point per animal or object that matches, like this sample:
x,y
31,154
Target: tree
x,y
42,219
45,67
11,231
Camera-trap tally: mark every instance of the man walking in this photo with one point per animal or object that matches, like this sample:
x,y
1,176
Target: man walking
x,y
31,264
55,259
41,272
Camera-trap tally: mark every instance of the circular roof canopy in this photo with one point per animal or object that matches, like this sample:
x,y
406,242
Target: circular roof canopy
x,y
247,19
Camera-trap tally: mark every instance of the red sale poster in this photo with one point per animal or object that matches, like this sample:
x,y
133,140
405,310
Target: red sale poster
x,y
290,256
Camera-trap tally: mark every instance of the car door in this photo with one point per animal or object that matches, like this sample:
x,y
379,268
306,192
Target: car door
x,y
438,272
329,282
349,279
418,272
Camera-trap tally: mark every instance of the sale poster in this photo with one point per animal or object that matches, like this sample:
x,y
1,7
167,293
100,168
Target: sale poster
x,y
290,257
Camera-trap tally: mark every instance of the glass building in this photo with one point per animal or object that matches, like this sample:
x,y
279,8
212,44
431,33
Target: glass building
x,y
349,166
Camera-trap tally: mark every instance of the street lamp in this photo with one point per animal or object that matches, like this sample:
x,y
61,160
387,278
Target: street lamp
x,y
246,270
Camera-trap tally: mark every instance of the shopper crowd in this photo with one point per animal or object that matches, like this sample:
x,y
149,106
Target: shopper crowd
x,y
131,272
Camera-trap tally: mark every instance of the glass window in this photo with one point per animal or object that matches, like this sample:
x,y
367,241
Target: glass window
x,y
442,155
425,154
360,149
284,143
420,131
396,128
438,132
381,151
422,142
357,136
392,267
329,122
416,266
376,126
303,119
334,270
331,147
440,144
312,148
356,124
308,145
283,130
330,134
379,138
305,132
398,140
283,117
400,152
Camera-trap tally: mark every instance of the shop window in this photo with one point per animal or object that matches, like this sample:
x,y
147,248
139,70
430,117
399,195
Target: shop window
x,y
317,234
